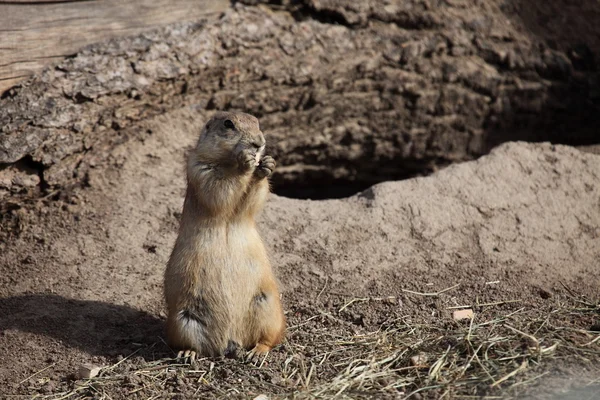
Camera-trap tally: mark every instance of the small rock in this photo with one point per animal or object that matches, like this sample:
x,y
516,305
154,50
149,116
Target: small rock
x,y
420,360
544,293
459,315
88,371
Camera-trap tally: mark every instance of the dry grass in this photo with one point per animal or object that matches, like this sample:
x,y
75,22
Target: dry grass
x,y
493,355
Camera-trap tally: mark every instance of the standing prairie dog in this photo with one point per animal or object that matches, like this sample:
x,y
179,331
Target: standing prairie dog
x,y
218,284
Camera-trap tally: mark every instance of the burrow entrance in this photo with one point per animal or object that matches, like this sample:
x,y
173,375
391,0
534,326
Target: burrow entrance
x,y
321,186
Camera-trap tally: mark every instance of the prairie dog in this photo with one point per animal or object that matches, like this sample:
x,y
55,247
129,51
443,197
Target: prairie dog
x,y
219,287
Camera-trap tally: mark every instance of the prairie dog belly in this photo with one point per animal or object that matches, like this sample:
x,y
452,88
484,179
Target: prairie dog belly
x,y
245,257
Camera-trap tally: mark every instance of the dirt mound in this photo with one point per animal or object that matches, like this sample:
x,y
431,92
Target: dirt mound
x,y
81,279
528,212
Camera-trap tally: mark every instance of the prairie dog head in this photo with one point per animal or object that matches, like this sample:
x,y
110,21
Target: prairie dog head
x,y
225,135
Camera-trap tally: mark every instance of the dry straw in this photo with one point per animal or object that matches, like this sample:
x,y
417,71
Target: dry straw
x,y
504,355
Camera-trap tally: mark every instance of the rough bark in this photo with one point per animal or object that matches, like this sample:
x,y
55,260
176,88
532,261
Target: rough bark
x,y
38,32
350,94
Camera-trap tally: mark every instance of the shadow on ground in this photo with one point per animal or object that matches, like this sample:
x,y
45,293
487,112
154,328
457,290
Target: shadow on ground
x,y
95,327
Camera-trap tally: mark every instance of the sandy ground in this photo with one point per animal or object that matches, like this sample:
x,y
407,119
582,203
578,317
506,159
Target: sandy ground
x,y
81,274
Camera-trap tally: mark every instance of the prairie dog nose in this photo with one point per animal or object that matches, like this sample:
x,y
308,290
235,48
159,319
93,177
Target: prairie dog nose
x,y
258,143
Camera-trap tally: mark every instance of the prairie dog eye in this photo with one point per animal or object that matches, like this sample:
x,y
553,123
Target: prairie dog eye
x,y
228,124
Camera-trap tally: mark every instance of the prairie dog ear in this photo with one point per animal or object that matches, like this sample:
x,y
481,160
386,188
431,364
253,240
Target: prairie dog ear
x,y
201,136
206,126
205,130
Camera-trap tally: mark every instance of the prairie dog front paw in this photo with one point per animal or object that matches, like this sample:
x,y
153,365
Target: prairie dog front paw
x,y
246,160
265,167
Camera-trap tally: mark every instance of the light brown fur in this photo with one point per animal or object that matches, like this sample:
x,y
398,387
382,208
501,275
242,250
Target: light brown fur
x,y
219,286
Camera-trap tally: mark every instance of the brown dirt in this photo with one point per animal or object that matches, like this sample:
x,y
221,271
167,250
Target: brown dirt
x,y
92,196
81,278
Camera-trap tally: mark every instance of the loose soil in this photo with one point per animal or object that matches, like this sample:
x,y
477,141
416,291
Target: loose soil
x,y
81,280
92,196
